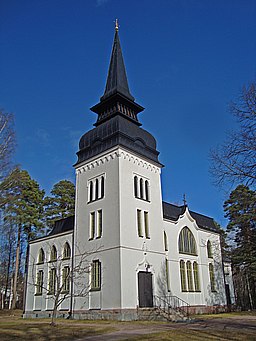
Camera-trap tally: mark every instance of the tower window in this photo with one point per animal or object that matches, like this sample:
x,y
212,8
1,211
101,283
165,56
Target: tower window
x,y
92,225
165,242
167,274
96,188
95,225
99,223
146,223
139,223
141,188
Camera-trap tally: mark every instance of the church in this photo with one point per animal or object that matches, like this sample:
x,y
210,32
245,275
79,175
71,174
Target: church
x,y
126,254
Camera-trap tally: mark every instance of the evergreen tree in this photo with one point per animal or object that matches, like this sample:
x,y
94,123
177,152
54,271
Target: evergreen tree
x,y
61,203
22,204
240,209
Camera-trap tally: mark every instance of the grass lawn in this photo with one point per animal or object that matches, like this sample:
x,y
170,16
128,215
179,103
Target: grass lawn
x,y
14,327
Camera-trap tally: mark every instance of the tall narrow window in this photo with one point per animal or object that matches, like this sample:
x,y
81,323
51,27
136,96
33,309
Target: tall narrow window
x,y
66,279
196,276
92,225
91,191
146,223
187,243
53,256
167,274
66,251
183,276
40,256
96,189
141,189
189,276
209,249
212,277
52,282
99,222
136,187
139,223
96,275
102,187
39,282
165,242
147,190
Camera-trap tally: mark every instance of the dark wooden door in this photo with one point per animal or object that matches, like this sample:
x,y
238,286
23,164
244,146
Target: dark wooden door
x,y
145,289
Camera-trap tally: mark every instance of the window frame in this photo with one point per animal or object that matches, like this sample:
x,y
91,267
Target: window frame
x,y
96,275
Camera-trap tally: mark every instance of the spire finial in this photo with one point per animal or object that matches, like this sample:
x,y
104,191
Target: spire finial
x,y
117,25
184,200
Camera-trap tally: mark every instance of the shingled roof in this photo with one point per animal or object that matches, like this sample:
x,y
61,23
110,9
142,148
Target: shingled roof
x,y
63,225
173,212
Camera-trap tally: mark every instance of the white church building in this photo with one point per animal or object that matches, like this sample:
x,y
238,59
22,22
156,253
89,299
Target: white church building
x,y
125,254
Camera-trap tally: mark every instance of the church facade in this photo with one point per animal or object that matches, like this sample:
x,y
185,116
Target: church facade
x,y
125,253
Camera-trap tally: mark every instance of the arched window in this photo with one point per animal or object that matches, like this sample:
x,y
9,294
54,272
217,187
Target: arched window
x,y
102,187
66,251
147,190
136,187
90,191
212,277
53,256
196,276
41,256
209,249
187,243
96,189
183,276
189,276
141,189
165,242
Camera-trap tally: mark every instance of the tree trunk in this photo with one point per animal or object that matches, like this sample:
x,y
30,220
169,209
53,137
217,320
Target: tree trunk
x,y
8,273
14,293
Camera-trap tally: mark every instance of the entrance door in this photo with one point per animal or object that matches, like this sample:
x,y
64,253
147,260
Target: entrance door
x,y
145,289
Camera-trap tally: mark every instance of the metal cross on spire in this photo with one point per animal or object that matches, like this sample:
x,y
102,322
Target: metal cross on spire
x,y
117,25
184,200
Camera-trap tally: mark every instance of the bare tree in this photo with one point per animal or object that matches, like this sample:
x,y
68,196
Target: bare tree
x,y
235,160
7,141
66,280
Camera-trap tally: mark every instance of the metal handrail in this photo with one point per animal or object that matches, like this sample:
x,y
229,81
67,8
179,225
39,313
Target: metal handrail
x,y
172,302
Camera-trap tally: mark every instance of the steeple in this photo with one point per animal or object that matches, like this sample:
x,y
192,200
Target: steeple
x,y
117,79
117,99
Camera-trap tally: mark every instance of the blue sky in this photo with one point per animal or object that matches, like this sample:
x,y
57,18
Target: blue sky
x,y
185,61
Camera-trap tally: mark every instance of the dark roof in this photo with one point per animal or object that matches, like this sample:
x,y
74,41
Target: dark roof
x,y
117,131
172,212
63,225
117,79
117,122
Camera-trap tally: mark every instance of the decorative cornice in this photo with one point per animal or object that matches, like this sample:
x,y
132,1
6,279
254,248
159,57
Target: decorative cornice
x,y
118,154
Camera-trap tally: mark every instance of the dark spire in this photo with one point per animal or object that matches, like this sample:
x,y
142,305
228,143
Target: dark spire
x,y
117,99
117,79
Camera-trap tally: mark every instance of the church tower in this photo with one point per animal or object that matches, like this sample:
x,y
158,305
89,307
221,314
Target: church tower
x,y
118,200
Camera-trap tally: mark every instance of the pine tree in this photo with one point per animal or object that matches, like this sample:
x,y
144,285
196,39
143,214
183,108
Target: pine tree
x,y
240,209
22,204
61,203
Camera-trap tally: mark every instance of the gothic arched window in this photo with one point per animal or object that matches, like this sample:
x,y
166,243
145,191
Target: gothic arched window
x,y
41,256
209,249
141,189
66,251
90,191
53,255
102,187
187,243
